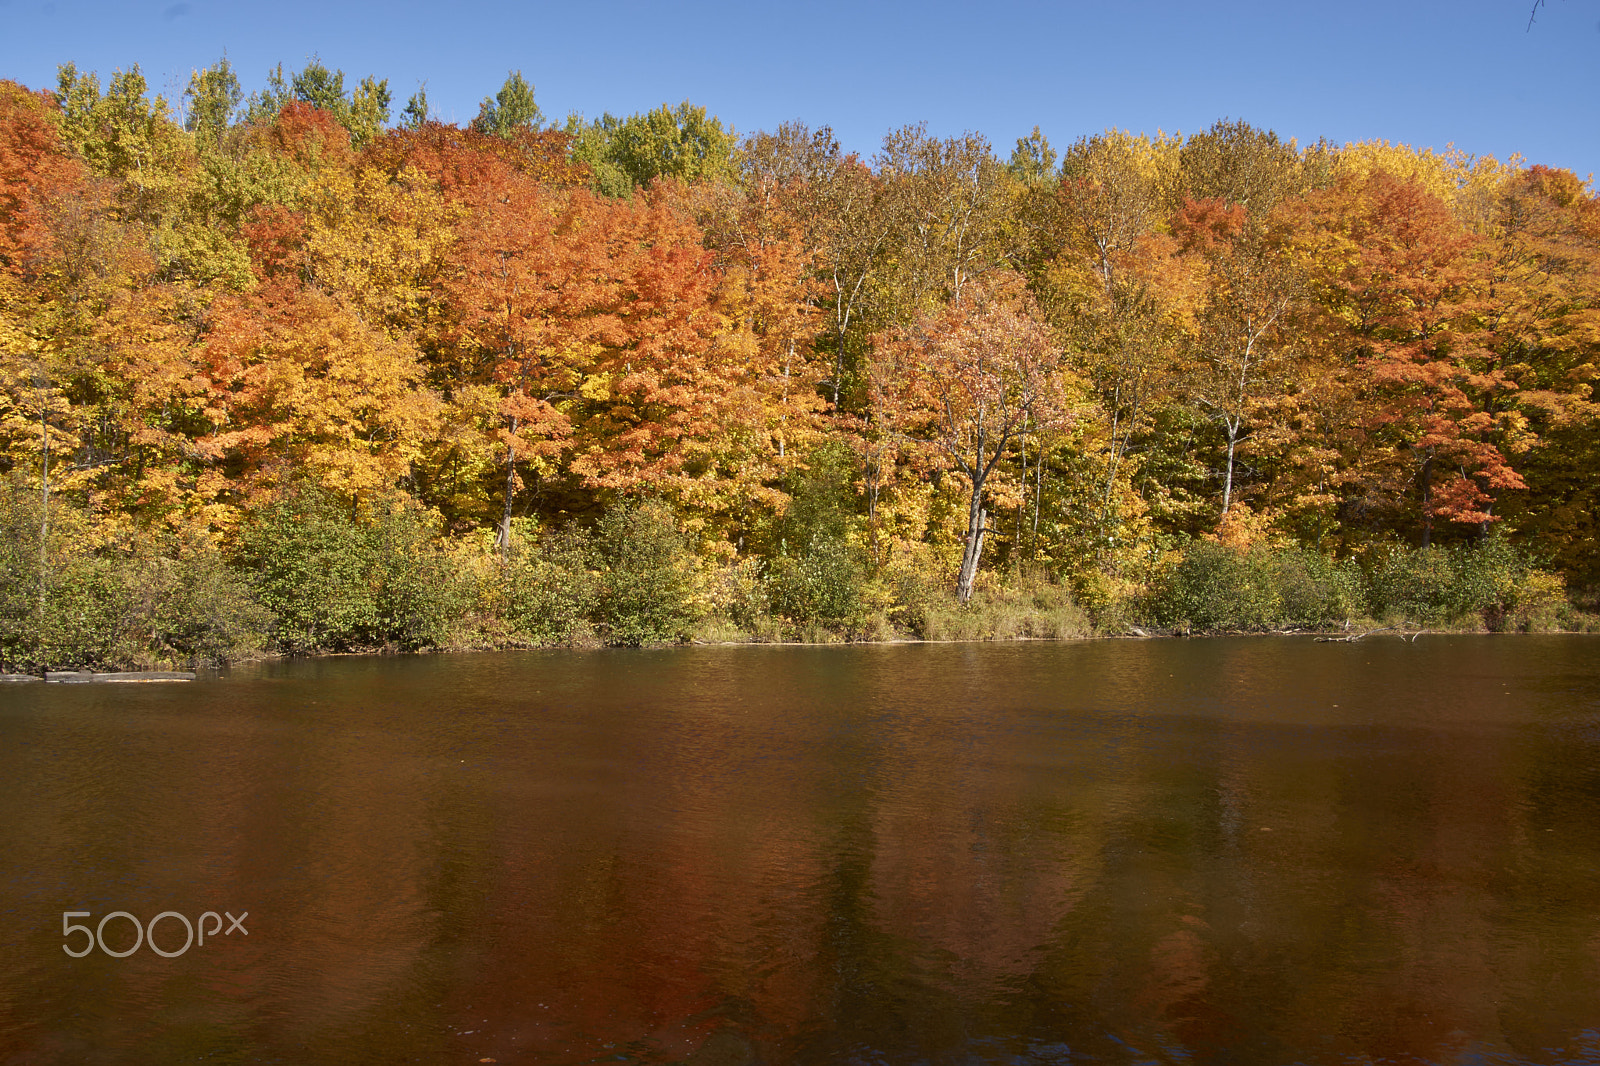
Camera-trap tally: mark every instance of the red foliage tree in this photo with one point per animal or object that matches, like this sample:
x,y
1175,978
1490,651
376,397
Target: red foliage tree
x,y
1408,286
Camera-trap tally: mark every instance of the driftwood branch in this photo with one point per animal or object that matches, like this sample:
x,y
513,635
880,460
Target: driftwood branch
x,y
1352,638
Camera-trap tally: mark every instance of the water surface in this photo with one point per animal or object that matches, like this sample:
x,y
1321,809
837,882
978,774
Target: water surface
x,y
1244,850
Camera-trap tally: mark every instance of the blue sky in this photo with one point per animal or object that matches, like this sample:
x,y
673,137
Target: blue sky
x,y
1423,73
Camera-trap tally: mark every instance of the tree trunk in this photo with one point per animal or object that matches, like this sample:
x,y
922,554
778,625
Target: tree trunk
x,y
1227,483
974,546
44,499
1022,504
1038,490
1111,468
502,538
783,420
838,366
1425,479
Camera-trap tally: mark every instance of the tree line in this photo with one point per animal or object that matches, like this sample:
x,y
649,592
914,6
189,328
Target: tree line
x,y
933,366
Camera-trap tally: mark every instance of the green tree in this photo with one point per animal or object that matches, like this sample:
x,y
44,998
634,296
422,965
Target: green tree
x,y
213,95
512,108
320,87
680,142
122,134
948,198
369,109
362,113
416,109
170,186
1033,161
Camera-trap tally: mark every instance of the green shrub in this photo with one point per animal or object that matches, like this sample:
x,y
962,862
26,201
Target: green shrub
x,y
413,585
1485,584
550,592
184,605
1220,588
307,559
822,496
821,587
1314,590
149,600
916,596
82,622
742,609
1113,602
20,590
338,579
646,586
1417,585
1215,587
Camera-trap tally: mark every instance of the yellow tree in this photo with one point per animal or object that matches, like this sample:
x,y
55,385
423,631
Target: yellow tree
x,y
70,269
765,295
377,240
1107,277
301,382
1242,345
1544,319
1107,203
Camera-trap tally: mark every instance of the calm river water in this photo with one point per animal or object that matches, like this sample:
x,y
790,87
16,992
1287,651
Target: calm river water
x,y
1237,850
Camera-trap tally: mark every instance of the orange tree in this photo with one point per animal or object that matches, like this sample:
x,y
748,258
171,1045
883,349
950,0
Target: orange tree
x,y
1406,288
969,382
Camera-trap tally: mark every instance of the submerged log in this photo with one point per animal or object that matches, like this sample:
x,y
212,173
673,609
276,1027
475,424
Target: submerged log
x,y
84,677
1381,629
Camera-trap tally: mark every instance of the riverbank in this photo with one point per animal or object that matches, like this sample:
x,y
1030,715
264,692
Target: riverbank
x,y
720,637
309,581
1037,611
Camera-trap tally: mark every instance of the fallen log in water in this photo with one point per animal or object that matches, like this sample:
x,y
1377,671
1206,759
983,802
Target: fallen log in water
x,y
1352,638
84,677
1357,636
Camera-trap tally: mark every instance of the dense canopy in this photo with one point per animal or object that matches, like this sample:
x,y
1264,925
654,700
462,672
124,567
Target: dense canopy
x,y
1077,363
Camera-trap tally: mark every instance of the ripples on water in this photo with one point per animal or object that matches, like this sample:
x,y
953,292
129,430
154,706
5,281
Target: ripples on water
x,y
1244,850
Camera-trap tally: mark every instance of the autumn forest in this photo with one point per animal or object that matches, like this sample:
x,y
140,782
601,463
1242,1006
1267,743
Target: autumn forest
x,y
304,371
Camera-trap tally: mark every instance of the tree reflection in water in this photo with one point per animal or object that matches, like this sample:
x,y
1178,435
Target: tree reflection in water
x,y
1243,850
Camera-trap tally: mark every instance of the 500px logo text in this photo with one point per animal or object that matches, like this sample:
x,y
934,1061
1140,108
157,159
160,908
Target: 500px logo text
x,y
146,933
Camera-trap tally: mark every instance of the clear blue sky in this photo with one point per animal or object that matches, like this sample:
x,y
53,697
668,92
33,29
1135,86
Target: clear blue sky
x,y
1423,73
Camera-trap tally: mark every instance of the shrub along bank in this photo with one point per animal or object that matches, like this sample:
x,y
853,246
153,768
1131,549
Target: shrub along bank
x,y
1216,588
310,573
